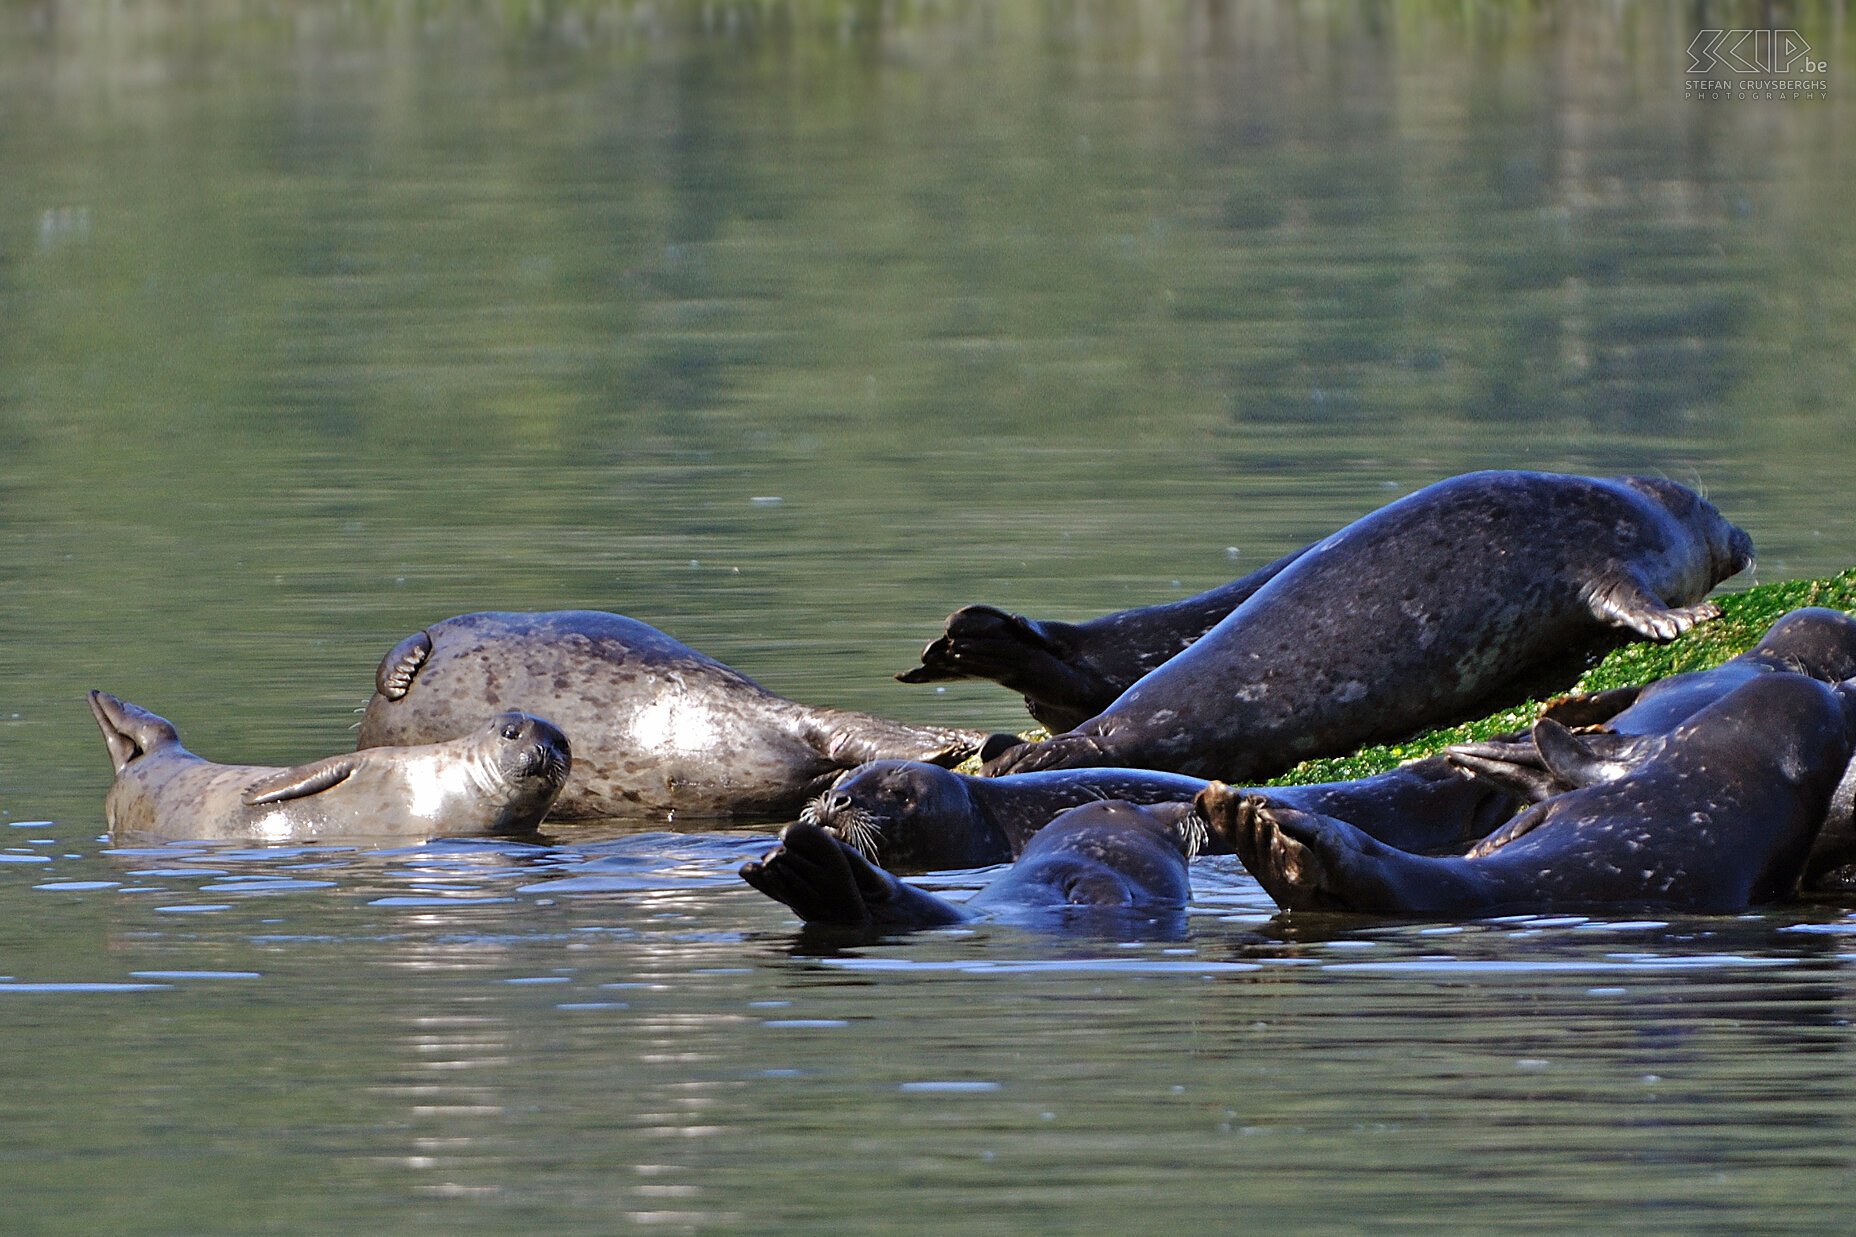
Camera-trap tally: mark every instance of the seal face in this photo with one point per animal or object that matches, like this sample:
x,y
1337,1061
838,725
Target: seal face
x,y
913,817
501,779
658,728
1105,856
1456,597
1722,818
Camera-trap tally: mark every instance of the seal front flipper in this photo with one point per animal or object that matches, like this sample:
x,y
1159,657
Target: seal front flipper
x,y
1592,758
129,730
1623,600
1591,708
1064,751
302,781
826,881
1517,776
393,677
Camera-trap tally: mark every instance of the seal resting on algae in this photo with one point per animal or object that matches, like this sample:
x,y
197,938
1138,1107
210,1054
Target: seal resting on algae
x,y
915,817
1464,594
1105,856
658,728
499,779
1720,819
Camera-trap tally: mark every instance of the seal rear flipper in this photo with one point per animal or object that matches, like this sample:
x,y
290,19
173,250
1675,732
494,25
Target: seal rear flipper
x,y
393,677
302,781
129,730
1622,600
1592,758
1024,655
1591,708
826,881
1064,751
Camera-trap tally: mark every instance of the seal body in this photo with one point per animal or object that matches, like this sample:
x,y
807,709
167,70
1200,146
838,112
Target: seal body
x,y
658,728
1105,856
914,817
1721,819
1069,672
500,779
1445,602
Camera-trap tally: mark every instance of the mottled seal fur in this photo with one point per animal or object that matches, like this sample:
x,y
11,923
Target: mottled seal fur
x,y
1449,600
1069,672
1722,818
658,728
500,779
1107,856
914,817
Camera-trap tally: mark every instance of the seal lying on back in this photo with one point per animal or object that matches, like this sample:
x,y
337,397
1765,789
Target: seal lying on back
x,y
1720,820
500,779
914,817
658,728
1109,856
1442,603
1069,672
1816,642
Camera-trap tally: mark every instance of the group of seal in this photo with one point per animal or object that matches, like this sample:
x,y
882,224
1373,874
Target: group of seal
x,y
1476,591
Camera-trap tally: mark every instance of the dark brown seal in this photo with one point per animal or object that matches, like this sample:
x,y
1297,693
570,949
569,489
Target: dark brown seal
x,y
1721,819
1454,598
658,728
1069,672
1106,856
914,817
500,779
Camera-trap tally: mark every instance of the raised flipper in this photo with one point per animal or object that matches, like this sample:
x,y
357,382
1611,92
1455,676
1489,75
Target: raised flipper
x,y
393,677
302,781
825,881
1622,600
129,730
1591,708
1591,758
1033,658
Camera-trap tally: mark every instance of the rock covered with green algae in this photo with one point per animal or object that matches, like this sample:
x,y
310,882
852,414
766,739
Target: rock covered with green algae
x,y
1744,619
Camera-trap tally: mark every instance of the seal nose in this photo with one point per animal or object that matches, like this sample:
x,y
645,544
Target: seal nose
x,y
836,804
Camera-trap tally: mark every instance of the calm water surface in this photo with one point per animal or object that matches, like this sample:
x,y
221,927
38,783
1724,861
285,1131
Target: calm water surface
x,y
789,328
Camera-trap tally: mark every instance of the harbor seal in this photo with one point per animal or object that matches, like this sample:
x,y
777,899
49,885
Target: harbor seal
x,y
658,728
1721,819
500,779
1069,672
1105,856
914,817
1455,598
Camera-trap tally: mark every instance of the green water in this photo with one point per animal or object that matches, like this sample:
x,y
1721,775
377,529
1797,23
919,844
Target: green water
x,y
321,322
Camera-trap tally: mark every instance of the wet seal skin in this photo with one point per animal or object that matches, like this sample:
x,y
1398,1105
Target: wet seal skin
x,y
1634,723
1464,595
1107,856
500,779
1069,672
1722,818
658,728
913,817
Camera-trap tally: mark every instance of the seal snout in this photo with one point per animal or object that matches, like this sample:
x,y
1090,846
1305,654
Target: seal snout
x,y
543,749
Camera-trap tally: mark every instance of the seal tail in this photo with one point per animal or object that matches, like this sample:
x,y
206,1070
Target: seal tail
x,y
130,730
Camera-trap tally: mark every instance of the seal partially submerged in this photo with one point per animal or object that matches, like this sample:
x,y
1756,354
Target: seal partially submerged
x,y
915,817
499,779
1445,602
1722,818
1107,856
658,728
1069,672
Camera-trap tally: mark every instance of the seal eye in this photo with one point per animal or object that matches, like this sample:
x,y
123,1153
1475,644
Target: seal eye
x,y
512,730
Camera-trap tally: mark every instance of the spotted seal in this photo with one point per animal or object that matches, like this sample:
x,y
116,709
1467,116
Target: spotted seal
x,y
1106,856
1069,672
1461,595
914,817
500,779
658,728
1720,819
